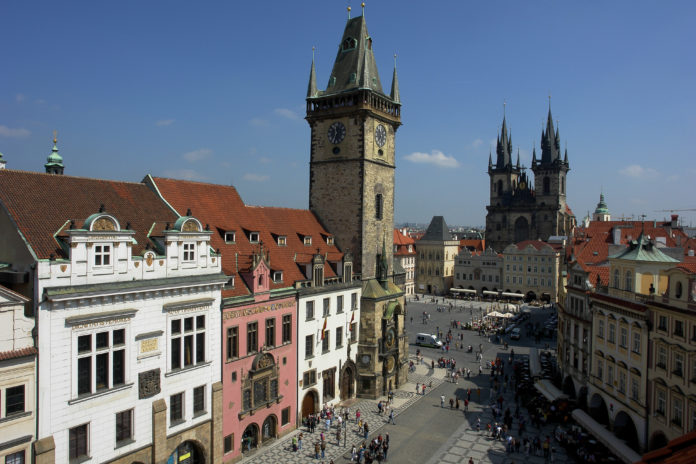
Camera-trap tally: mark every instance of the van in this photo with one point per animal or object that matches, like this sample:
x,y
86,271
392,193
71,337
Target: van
x,y
423,339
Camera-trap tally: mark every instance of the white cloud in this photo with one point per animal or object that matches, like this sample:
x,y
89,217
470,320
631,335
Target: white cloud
x,y
477,143
286,113
639,172
197,155
185,174
435,157
256,177
258,122
164,122
10,132
20,98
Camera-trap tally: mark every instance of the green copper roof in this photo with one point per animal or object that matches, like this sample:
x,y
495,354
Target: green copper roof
x,y
601,206
354,67
54,159
643,250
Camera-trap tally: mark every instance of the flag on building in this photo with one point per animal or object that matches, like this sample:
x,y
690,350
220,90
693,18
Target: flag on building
x,y
323,329
352,318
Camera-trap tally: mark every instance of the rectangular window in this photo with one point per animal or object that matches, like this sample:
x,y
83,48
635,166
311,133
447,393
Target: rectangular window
x,y
679,328
189,252
282,240
600,330
677,408
124,425
610,374
16,458
339,337
230,237
252,337
624,337
353,332
229,443
79,442
325,342
622,381
327,306
678,364
309,310
612,333
270,332
662,357
353,301
287,328
199,400
101,365
636,342
339,304
254,237
14,400
635,389
662,324
285,416
661,402
176,408
600,369
102,255
187,341
232,343
277,276
309,378
309,346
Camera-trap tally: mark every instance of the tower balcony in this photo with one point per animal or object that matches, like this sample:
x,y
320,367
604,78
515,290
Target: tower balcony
x,y
350,102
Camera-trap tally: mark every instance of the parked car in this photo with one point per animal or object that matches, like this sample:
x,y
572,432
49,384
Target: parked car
x,y
515,334
423,339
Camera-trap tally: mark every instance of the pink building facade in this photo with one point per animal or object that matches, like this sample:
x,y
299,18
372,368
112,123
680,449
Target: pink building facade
x,y
259,364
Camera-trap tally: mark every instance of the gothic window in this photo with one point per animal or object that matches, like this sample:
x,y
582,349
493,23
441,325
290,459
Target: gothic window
x,y
616,278
547,185
349,44
629,286
500,187
378,206
563,185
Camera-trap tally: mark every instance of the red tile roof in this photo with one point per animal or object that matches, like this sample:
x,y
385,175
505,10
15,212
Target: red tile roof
x,y
42,204
222,208
13,354
681,450
472,244
538,244
402,242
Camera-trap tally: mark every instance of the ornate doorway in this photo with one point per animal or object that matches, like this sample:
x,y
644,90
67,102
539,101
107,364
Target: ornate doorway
x,y
347,383
309,403
186,453
250,438
268,429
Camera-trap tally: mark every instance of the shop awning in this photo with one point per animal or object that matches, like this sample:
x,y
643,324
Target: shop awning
x,y
462,290
513,295
534,364
549,390
489,292
601,433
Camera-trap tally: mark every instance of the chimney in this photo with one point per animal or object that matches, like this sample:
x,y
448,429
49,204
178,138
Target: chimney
x,y
617,235
675,221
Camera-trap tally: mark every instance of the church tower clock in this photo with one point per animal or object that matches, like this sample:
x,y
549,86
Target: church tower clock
x,y
351,190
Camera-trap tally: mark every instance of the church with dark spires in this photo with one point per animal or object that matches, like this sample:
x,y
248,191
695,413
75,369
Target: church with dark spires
x,y
522,208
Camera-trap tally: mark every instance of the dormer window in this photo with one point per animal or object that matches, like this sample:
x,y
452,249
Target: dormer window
x,y
308,240
102,255
410,248
282,240
230,283
254,237
189,252
277,276
330,240
349,44
230,237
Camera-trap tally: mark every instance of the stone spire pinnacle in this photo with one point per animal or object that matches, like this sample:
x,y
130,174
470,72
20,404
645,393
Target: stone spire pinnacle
x,y
503,147
312,87
395,85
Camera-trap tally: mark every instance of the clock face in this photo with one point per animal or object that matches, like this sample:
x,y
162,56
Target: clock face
x,y
337,131
366,359
390,363
390,339
380,135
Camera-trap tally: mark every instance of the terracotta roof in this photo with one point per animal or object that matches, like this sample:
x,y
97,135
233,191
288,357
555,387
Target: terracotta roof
x,y
402,243
538,244
568,210
681,450
41,204
29,351
473,244
222,208
688,265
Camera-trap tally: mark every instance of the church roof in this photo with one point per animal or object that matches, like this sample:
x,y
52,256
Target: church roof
x,y
437,230
601,206
643,250
354,67
42,204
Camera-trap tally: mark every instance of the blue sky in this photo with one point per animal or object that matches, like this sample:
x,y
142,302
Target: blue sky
x,y
214,91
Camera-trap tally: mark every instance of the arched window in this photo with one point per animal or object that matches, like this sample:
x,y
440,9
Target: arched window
x,y
617,278
378,206
500,187
678,290
261,280
547,185
629,286
563,185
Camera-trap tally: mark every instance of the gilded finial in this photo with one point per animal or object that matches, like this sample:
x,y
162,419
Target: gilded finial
x,y
395,60
348,12
363,8
55,136
313,48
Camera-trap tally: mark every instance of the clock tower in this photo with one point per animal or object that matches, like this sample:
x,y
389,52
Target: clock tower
x,y
351,190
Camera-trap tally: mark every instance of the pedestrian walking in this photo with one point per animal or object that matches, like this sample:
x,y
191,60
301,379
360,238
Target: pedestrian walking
x,y
294,444
353,454
417,388
338,436
391,417
366,430
466,405
442,401
323,449
317,450
299,441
